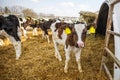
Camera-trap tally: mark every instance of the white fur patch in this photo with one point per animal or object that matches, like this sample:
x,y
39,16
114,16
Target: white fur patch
x,y
79,28
17,46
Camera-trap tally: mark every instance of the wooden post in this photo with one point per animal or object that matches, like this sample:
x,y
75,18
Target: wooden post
x,y
109,21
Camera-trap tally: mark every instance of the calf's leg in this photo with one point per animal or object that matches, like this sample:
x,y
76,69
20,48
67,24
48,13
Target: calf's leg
x,y
35,32
25,33
57,54
17,46
48,38
77,55
67,55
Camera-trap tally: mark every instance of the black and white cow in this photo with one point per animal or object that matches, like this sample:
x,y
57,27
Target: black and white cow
x,y
10,28
72,37
45,26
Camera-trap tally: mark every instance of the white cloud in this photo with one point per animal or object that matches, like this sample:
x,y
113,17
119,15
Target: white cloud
x,y
85,7
67,4
35,0
53,10
64,10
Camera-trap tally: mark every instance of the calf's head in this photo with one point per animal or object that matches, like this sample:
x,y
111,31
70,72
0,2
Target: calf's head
x,y
77,36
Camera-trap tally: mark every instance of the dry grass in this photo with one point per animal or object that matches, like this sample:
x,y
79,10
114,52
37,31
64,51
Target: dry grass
x,y
38,62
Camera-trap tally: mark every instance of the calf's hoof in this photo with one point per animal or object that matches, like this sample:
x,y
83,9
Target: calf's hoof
x,y
17,58
80,71
60,59
65,71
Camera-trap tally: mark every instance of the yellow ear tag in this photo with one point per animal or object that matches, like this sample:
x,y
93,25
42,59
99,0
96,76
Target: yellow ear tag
x,y
28,18
67,31
92,29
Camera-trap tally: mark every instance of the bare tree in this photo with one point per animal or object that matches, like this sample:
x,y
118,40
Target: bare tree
x,y
19,11
16,9
1,10
6,10
29,12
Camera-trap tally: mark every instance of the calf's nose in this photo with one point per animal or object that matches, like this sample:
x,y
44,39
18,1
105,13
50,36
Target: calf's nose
x,y
80,44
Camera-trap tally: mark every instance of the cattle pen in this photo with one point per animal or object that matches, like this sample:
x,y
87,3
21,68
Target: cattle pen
x,y
38,62
100,58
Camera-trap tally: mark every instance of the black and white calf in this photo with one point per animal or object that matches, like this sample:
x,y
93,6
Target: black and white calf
x,y
45,26
10,28
71,36
28,23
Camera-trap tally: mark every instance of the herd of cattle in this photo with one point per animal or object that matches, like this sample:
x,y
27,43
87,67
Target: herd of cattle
x,y
70,35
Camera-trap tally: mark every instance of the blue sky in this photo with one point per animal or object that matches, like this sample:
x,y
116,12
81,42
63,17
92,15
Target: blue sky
x,y
56,7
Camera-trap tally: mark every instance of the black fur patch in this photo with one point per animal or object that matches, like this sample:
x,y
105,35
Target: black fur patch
x,y
10,24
